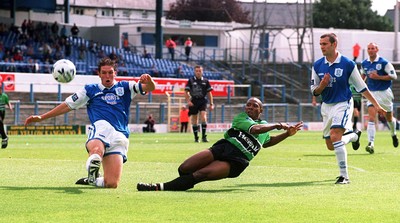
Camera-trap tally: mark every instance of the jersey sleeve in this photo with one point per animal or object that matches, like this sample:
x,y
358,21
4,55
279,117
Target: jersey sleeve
x,y
315,80
357,81
77,100
389,69
136,88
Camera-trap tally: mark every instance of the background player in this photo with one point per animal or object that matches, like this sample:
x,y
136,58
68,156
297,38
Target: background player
x,y
379,74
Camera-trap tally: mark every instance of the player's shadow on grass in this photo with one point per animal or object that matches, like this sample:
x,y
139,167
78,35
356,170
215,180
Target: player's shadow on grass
x,y
67,190
332,154
289,184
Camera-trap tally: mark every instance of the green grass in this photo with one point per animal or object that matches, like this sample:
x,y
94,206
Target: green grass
x,y
291,182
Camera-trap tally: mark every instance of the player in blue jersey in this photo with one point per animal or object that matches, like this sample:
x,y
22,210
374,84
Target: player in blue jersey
x,y
108,107
331,78
230,156
379,74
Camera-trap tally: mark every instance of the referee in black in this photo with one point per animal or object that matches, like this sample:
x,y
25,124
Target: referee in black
x,y
197,95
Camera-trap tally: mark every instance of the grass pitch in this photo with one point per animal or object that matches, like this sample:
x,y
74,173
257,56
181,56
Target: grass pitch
x,y
290,182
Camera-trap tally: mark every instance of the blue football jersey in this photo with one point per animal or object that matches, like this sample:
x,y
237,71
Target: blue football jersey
x,y
343,72
382,68
111,105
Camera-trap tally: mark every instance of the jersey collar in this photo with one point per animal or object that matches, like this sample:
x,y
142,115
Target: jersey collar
x,y
102,87
337,60
376,59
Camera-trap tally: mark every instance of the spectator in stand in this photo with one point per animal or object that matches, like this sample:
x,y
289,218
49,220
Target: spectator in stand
x,y
101,54
179,72
149,124
11,67
184,118
18,56
30,28
171,45
47,51
54,30
155,72
30,51
82,52
24,26
126,45
1,53
188,48
58,54
146,54
63,32
68,48
74,31
91,47
122,70
7,54
33,67
113,56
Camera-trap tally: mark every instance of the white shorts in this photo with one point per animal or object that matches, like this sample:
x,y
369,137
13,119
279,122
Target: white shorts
x,y
115,142
384,98
337,115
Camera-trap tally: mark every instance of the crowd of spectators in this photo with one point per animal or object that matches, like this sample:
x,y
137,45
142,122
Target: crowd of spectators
x,y
34,46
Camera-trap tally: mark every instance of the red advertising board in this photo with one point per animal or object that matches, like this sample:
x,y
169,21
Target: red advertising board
x,y
178,86
9,81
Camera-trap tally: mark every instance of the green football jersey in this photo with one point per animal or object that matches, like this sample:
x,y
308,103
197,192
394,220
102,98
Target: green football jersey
x,y
3,101
238,135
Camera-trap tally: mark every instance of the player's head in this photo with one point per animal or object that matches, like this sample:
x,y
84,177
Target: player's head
x,y
254,108
328,43
372,50
107,70
198,71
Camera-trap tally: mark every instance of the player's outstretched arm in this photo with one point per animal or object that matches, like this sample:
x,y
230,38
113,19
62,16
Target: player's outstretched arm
x,y
148,83
58,110
290,131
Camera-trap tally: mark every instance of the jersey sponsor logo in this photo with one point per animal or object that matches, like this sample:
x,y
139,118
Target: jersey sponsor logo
x,y
119,91
379,66
338,72
392,72
110,98
246,140
74,97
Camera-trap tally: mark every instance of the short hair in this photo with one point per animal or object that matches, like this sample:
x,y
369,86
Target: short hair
x,y
374,44
107,62
198,66
332,37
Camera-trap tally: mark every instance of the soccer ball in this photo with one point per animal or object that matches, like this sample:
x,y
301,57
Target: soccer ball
x,y
64,71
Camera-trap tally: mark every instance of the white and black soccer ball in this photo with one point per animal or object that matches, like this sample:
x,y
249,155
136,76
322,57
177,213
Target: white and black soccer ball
x,y
64,71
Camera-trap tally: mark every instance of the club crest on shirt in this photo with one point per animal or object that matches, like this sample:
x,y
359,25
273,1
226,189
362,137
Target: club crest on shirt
x,y
119,91
379,66
338,72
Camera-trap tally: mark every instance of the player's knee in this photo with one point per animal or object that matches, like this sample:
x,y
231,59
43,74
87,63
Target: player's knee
x,y
183,169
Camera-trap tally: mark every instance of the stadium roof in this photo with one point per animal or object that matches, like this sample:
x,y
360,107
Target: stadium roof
x,y
277,15
128,4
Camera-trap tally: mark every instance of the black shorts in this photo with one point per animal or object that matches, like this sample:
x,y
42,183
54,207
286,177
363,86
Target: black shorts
x,y
223,150
357,104
198,105
2,114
